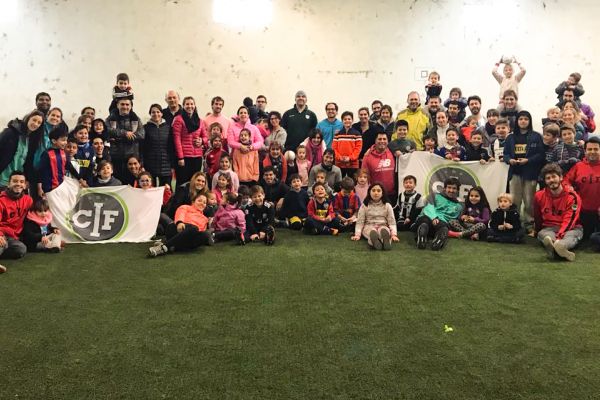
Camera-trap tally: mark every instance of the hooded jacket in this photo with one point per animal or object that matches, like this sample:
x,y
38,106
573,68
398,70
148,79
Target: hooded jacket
x,y
9,144
381,167
534,151
12,214
500,217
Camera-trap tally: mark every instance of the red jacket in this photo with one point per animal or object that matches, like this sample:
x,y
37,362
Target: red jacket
x,y
561,211
12,214
213,157
585,178
347,144
184,140
382,168
320,211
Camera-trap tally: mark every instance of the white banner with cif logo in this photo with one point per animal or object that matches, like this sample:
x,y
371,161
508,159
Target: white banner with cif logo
x,y
431,171
105,214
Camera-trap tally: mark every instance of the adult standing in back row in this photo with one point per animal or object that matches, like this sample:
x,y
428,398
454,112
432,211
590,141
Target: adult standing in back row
x,y
298,122
418,120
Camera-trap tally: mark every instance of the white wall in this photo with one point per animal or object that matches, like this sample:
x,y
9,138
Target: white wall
x,y
348,51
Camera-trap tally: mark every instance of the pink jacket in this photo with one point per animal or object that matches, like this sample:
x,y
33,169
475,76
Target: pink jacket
x,y
233,136
184,140
229,217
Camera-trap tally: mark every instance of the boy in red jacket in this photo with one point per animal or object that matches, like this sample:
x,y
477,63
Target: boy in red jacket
x,y
556,214
14,205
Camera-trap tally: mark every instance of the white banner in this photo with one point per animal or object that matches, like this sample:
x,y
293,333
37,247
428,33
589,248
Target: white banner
x,y
431,171
105,214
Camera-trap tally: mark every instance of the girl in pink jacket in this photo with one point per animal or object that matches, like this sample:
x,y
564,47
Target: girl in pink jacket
x,y
229,222
233,135
190,140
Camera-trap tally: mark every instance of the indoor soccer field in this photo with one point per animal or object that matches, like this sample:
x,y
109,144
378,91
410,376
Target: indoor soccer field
x,y
309,318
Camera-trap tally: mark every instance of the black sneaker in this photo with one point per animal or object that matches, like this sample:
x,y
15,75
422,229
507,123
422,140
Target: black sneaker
x,y
239,237
211,237
440,239
375,240
269,236
386,239
422,232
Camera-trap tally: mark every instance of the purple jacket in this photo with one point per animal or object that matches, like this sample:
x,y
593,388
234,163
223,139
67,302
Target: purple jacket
x,y
229,217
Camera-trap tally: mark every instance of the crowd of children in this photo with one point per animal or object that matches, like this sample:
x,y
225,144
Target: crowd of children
x,y
237,181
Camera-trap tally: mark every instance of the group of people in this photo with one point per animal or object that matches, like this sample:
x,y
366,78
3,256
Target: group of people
x,y
240,178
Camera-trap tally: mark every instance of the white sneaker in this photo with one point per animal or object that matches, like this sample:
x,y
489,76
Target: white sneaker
x,y
563,252
2,269
549,247
157,250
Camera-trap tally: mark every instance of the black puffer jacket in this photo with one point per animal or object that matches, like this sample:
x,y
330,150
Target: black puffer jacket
x,y
156,151
9,142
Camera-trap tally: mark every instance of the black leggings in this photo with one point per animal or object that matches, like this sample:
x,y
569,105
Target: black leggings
x,y
188,239
184,174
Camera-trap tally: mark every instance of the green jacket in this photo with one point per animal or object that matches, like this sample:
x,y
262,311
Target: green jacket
x,y
443,208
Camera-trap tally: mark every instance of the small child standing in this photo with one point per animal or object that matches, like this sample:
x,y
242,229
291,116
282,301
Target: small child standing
x,y
38,233
225,167
475,216
376,220
347,144
122,90
294,204
321,217
53,163
401,145
303,165
568,152
497,145
346,204
433,86
550,134
508,81
505,222
214,153
475,151
260,218
229,222
362,184
452,150
246,164
408,205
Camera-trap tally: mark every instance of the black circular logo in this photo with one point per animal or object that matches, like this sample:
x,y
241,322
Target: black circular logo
x,y
98,216
437,176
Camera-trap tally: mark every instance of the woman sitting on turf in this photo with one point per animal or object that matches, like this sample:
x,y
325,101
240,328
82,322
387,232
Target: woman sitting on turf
x,y
188,232
376,220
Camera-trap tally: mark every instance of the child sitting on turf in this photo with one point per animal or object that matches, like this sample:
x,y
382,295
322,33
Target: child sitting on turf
x,y
321,217
224,186
294,204
408,205
225,167
188,232
213,155
321,177
246,164
568,152
105,175
505,222
474,218
346,204
246,201
303,165
452,150
497,146
275,159
53,162
376,220
38,233
402,145
260,218
434,219
475,151
229,222
212,205
362,184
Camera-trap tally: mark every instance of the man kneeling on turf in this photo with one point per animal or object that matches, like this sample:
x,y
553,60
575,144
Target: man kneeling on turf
x,y
556,213
433,220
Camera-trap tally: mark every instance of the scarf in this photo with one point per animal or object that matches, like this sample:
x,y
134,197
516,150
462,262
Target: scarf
x,y
192,123
46,220
327,168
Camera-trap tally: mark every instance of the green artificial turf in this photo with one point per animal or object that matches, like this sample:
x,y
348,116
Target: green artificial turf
x,y
309,318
